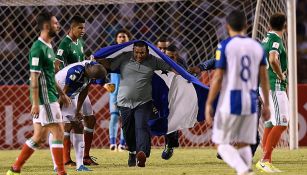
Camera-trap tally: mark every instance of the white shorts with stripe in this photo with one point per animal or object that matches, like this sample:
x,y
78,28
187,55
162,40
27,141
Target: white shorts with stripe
x,y
279,107
49,113
69,112
229,129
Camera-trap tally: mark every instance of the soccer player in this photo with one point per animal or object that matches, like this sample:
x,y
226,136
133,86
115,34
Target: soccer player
x,y
45,109
71,50
135,97
121,36
210,65
277,68
163,43
240,62
171,139
75,80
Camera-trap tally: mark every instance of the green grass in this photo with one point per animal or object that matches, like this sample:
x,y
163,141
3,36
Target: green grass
x,y
184,162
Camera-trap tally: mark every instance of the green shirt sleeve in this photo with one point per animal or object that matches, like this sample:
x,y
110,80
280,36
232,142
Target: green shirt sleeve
x,y
36,59
274,46
62,52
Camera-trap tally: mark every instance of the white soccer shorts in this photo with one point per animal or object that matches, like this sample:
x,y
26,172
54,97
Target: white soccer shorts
x,y
69,112
49,113
229,129
279,107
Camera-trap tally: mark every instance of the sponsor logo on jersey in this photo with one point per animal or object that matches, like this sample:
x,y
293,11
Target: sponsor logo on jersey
x,y
74,51
60,52
218,55
35,61
49,56
73,77
275,45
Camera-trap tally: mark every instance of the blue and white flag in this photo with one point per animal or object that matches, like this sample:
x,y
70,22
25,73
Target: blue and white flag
x,y
179,99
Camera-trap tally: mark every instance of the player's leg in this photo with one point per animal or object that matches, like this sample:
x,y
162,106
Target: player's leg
x,y
56,128
122,142
89,125
142,132
171,141
226,130
113,125
67,145
28,148
128,126
78,144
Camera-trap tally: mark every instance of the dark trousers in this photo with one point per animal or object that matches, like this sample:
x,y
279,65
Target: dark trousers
x,y
171,139
135,127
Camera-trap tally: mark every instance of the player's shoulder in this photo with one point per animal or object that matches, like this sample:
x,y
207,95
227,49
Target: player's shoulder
x,y
65,41
37,46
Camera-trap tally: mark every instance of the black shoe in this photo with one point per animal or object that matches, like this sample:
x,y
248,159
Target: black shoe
x,y
89,160
132,160
218,156
141,159
167,153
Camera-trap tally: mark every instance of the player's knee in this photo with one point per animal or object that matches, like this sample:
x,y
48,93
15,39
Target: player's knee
x,y
90,121
67,127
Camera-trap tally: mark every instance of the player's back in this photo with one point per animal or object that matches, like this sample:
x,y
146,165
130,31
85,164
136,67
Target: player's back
x,y
242,57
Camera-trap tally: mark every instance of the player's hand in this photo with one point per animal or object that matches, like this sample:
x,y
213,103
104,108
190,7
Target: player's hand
x,y
194,70
64,100
266,114
79,116
209,115
35,111
110,87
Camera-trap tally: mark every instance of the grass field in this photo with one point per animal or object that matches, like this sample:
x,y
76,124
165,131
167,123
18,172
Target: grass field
x,y
184,162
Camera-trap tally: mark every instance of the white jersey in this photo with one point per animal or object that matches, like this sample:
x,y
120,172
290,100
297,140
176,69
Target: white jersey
x,y
73,76
241,58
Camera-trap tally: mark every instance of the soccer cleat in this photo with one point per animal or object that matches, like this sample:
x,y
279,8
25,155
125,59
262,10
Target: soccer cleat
x,y
141,159
132,160
264,167
113,147
121,148
11,172
83,168
276,170
219,156
167,153
70,163
89,160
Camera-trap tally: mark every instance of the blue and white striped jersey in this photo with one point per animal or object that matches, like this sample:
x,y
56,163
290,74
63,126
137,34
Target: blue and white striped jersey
x,y
241,58
73,76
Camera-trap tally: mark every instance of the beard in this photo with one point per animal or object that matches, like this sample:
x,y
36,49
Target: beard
x,y
52,33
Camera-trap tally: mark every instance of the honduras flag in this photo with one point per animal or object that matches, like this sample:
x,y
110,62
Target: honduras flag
x,y
179,99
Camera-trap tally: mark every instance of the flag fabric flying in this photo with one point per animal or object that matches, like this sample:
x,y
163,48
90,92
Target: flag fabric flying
x,y
178,98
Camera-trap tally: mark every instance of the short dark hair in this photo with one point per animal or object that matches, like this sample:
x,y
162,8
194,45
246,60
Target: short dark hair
x,y
140,44
43,18
77,20
236,20
125,31
172,48
163,39
278,21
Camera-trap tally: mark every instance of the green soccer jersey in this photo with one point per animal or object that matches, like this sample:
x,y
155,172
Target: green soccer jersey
x,y
70,52
41,60
273,43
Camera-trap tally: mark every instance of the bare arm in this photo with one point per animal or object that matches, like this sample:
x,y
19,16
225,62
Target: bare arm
x,y
80,102
34,88
274,62
264,83
63,98
57,65
214,90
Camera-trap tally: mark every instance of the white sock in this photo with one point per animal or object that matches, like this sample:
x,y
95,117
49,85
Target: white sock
x,y
78,143
50,143
232,157
246,154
